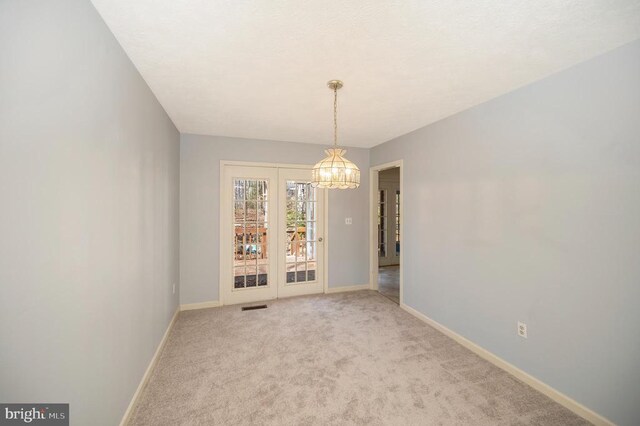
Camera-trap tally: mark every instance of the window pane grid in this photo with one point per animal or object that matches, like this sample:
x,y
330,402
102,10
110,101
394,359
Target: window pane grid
x,y
382,224
250,247
301,227
397,223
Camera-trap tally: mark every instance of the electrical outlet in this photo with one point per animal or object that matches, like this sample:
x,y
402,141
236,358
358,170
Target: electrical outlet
x,y
174,288
522,329
348,221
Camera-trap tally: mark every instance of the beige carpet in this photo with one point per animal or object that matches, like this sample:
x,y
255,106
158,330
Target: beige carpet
x,y
389,282
350,358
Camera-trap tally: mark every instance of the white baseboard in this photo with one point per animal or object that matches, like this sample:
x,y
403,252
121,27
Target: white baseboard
x,y
347,288
147,373
216,303
541,387
201,305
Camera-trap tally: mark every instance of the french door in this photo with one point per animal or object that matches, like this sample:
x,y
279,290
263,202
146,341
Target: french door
x,y
272,227
388,224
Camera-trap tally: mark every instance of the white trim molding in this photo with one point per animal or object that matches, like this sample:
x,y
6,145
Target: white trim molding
x,y
263,164
345,288
201,305
147,373
538,385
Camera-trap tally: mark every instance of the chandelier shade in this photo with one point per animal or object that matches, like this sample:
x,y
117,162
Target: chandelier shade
x,y
335,171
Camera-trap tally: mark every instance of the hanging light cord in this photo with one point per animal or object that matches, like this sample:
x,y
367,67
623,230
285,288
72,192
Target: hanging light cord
x,y
335,116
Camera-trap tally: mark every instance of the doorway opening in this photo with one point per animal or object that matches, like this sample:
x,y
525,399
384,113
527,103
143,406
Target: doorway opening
x,y
386,230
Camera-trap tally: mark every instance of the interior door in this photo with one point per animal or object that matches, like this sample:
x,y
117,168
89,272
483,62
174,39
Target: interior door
x,y
249,228
388,223
301,234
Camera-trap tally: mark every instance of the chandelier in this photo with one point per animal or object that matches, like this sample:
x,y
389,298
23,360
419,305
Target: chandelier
x,y
335,171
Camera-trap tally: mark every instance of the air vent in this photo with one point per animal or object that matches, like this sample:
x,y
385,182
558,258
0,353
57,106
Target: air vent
x,y
253,308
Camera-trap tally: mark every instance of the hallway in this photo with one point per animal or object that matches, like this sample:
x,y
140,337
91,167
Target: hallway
x,y
389,282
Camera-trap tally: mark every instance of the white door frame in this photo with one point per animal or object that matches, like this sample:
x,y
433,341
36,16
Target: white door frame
x,y
373,222
223,205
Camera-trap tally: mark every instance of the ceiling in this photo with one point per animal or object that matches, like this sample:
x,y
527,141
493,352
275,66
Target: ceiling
x,y
258,69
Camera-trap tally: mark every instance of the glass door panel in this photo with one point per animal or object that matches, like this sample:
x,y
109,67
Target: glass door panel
x,y
248,265
382,223
389,222
301,214
251,230
397,223
301,247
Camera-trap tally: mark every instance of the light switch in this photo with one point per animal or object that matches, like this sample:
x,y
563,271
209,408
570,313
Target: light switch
x,y
348,221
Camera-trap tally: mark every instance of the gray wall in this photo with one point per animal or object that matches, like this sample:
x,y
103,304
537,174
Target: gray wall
x,y
89,213
527,208
200,210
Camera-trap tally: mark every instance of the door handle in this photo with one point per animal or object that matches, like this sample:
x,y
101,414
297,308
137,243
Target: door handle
x,y
320,239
